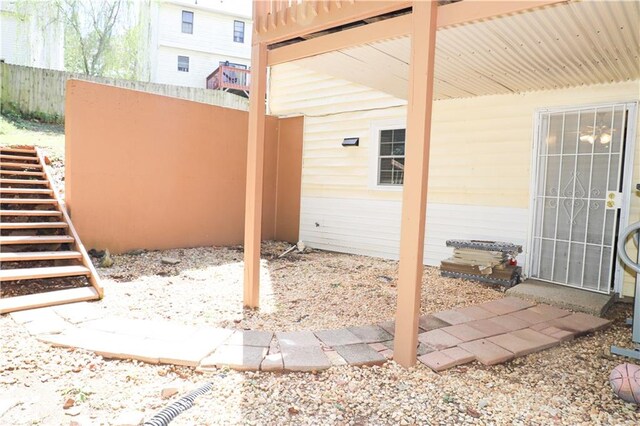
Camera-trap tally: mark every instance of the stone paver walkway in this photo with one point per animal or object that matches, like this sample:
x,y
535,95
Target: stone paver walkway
x,y
490,333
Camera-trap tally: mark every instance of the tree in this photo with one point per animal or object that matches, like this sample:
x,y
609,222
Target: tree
x,y
89,28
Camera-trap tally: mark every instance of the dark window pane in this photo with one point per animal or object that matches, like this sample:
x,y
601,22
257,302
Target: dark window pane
x,y
398,178
386,136
385,164
398,149
399,135
385,178
385,149
183,63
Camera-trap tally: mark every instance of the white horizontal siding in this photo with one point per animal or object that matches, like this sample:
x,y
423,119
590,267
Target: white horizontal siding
x,y
372,227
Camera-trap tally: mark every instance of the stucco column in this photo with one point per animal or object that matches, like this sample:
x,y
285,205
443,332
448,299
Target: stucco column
x,y
414,197
255,168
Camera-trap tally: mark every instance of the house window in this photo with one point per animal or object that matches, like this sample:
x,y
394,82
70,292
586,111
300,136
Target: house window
x,y
187,22
391,157
183,63
238,31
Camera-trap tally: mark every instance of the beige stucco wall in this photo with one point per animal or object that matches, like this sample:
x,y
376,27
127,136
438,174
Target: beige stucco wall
x,y
153,172
481,152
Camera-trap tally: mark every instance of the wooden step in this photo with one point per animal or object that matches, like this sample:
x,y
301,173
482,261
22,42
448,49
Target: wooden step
x,y
22,182
38,239
21,173
25,191
39,255
28,201
43,213
17,157
33,225
50,298
18,150
38,273
20,165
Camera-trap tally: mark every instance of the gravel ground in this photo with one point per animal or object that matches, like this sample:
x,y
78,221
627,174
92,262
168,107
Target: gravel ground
x,y
565,385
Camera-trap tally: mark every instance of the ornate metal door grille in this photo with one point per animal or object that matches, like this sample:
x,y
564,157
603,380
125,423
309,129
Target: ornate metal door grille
x,y
577,196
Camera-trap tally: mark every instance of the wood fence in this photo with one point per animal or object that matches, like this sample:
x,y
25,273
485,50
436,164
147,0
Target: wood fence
x,y
41,92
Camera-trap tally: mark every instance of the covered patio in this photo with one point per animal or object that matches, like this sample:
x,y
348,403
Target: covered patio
x,y
484,48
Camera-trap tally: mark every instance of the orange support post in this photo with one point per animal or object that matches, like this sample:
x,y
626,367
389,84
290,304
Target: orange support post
x,y
414,197
255,166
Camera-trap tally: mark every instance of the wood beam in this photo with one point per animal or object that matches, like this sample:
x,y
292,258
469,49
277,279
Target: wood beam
x,y
389,28
255,168
315,19
414,195
448,15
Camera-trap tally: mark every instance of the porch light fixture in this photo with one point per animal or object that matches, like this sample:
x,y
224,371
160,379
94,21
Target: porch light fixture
x,y
351,142
600,134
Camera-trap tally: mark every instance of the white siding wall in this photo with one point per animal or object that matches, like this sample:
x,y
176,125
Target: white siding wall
x,y
210,43
480,162
28,38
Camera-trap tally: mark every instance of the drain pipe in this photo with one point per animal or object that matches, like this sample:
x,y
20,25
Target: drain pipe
x,y
164,417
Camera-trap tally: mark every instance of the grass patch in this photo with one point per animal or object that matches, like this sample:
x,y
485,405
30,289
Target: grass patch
x,y
19,131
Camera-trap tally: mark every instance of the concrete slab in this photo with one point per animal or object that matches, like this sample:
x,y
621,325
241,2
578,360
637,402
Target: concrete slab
x,y
30,315
360,354
487,352
370,333
250,338
79,312
337,337
52,325
447,358
563,296
242,358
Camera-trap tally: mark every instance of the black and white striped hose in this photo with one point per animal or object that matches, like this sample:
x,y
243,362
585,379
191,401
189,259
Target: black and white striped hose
x,y
164,417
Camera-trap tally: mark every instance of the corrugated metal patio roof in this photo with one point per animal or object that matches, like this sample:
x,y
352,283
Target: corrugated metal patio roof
x,y
567,45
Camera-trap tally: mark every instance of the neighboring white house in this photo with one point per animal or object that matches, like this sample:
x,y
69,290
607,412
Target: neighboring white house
x,y
533,140
191,38
29,37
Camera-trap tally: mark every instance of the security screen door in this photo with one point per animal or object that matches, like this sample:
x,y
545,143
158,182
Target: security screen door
x,y
577,196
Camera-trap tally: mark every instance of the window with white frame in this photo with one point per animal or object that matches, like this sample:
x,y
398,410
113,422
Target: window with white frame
x,y
187,22
391,156
238,31
183,63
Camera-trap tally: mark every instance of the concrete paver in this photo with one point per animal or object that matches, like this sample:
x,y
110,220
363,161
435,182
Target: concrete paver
x,y
453,317
438,339
79,312
523,342
580,323
550,312
340,336
296,339
242,358
465,332
370,333
305,358
476,312
272,362
510,322
447,358
487,352
388,326
360,354
488,327
250,338
506,305
44,314
429,322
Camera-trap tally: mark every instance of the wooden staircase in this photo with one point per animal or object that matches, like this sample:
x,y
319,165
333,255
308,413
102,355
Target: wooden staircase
x,y
37,239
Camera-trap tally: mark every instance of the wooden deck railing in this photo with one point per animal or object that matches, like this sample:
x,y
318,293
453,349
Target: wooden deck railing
x,y
227,77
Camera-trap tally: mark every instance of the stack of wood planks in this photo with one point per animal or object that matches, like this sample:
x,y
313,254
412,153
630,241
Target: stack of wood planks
x,y
492,262
38,243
